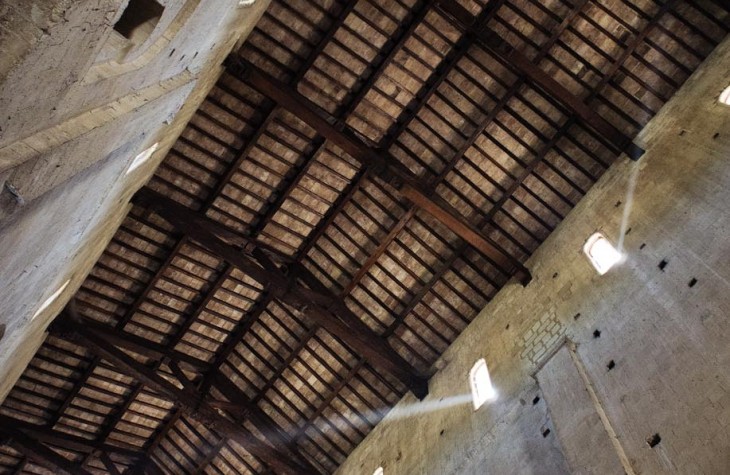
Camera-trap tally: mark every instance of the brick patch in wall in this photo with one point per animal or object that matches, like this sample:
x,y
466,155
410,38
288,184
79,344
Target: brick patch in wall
x,y
541,338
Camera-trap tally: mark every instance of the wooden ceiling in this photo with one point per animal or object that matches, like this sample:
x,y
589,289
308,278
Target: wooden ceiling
x,y
355,189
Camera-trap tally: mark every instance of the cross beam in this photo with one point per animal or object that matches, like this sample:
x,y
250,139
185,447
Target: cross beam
x,y
520,63
145,347
62,440
325,309
39,453
380,162
190,401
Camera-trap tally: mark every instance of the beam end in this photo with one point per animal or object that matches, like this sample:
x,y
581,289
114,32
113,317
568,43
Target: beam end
x,y
634,152
523,276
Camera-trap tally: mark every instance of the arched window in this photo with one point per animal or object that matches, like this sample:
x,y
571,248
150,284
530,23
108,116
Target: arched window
x,y
378,471
481,384
601,253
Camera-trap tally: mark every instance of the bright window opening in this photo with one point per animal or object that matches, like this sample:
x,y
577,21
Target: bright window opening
x,y
725,96
141,158
601,253
46,303
378,471
481,384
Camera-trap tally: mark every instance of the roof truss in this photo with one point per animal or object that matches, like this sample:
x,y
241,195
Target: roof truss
x,y
524,209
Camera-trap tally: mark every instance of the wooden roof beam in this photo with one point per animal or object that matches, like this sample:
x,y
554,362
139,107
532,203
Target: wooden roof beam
x,y
262,421
191,402
63,440
109,464
144,346
39,453
324,309
381,163
520,63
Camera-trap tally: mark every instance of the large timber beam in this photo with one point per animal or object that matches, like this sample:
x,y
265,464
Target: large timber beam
x,y
191,402
380,162
326,310
521,64
63,440
144,347
39,453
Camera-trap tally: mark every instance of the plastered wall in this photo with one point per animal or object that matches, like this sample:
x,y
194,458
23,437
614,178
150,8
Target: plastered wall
x,y
621,373
76,110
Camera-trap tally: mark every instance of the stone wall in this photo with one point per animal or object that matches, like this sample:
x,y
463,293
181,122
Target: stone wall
x,y
625,372
79,102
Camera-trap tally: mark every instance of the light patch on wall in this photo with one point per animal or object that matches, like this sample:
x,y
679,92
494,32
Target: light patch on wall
x,y
46,303
141,158
378,471
481,384
725,96
247,3
601,253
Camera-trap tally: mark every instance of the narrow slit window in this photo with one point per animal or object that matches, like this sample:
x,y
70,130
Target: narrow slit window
x,y
47,303
481,384
142,158
725,96
601,253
